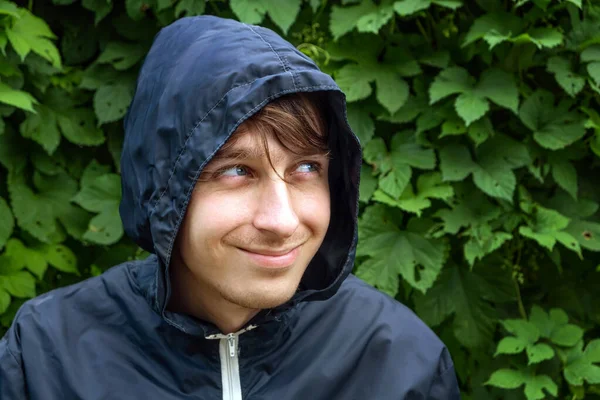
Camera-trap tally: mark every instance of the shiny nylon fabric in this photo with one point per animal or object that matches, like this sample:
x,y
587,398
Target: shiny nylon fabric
x,y
111,337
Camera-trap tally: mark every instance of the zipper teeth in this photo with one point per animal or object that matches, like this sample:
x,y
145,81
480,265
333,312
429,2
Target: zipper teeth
x,y
230,370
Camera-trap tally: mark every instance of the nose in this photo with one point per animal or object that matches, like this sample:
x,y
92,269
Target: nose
x,y
275,212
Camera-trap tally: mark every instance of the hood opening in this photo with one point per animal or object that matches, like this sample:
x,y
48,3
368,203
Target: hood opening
x,y
201,79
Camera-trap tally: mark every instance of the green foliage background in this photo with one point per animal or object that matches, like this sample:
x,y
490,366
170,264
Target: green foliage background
x,y
480,123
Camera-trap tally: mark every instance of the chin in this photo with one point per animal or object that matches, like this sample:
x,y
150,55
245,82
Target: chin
x,y
263,298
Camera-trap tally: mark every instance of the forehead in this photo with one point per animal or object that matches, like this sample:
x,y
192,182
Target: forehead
x,y
245,141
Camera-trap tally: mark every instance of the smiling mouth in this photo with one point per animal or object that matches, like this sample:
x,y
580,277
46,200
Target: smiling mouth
x,y
271,258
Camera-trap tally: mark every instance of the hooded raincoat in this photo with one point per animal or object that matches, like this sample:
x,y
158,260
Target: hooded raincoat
x,y
112,337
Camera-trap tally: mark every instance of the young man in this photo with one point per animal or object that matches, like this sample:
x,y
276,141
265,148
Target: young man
x,y
240,174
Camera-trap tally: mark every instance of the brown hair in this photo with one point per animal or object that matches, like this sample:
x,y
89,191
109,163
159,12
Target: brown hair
x,y
294,120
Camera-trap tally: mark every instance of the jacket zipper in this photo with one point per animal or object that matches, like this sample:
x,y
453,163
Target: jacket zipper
x,y
230,366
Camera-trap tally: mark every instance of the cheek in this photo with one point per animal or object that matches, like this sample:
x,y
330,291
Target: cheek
x,y
211,217
313,210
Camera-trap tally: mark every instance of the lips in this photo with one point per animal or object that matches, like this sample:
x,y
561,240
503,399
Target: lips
x,y
272,258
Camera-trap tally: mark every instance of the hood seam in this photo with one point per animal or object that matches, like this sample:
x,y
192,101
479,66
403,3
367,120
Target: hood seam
x,y
284,65
187,139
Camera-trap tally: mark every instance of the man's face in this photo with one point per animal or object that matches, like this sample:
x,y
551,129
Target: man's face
x,y
249,235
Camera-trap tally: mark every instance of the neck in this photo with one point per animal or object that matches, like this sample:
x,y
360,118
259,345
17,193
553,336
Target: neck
x,y
192,297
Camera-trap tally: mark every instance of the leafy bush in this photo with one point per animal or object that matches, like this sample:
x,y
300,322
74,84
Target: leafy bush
x,y
480,124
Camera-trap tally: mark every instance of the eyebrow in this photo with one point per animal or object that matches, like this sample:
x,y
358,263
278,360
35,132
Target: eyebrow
x,y
254,152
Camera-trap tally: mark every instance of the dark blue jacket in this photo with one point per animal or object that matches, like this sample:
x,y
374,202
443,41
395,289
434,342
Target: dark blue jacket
x,y
111,337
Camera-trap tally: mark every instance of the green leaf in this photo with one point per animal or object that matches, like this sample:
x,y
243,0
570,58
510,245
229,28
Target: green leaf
x,y
38,212
105,228
408,7
111,102
587,234
480,130
406,150
461,293
555,326
392,90
42,128
547,227
97,76
526,336
565,175
397,179
283,14
594,71
497,24
101,8
500,88
344,19
19,284
453,127
429,186
537,110
190,8
456,163
392,251
450,81
534,384
544,37
30,33
523,330
471,107
61,258
495,179
93,171
4,301
314,5
361,123
32,214
7,222
510,345
103,192
16,98
372,22
581,365
496,160
251,12
8,8
471,209
134,9
368,183
566,78
554,127
396,167
79,127
539,352
375,153
506,379
22,257
121,55
413,106
483,241
591,53
102,196
452,4
353,82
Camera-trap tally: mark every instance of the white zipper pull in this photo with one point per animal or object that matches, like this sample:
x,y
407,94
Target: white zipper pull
x,y
232,344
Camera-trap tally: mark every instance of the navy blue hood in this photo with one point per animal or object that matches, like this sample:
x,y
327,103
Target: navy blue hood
x,y
201,79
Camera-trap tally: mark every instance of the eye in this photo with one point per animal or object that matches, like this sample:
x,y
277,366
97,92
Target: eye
x,y
237,170
308,167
